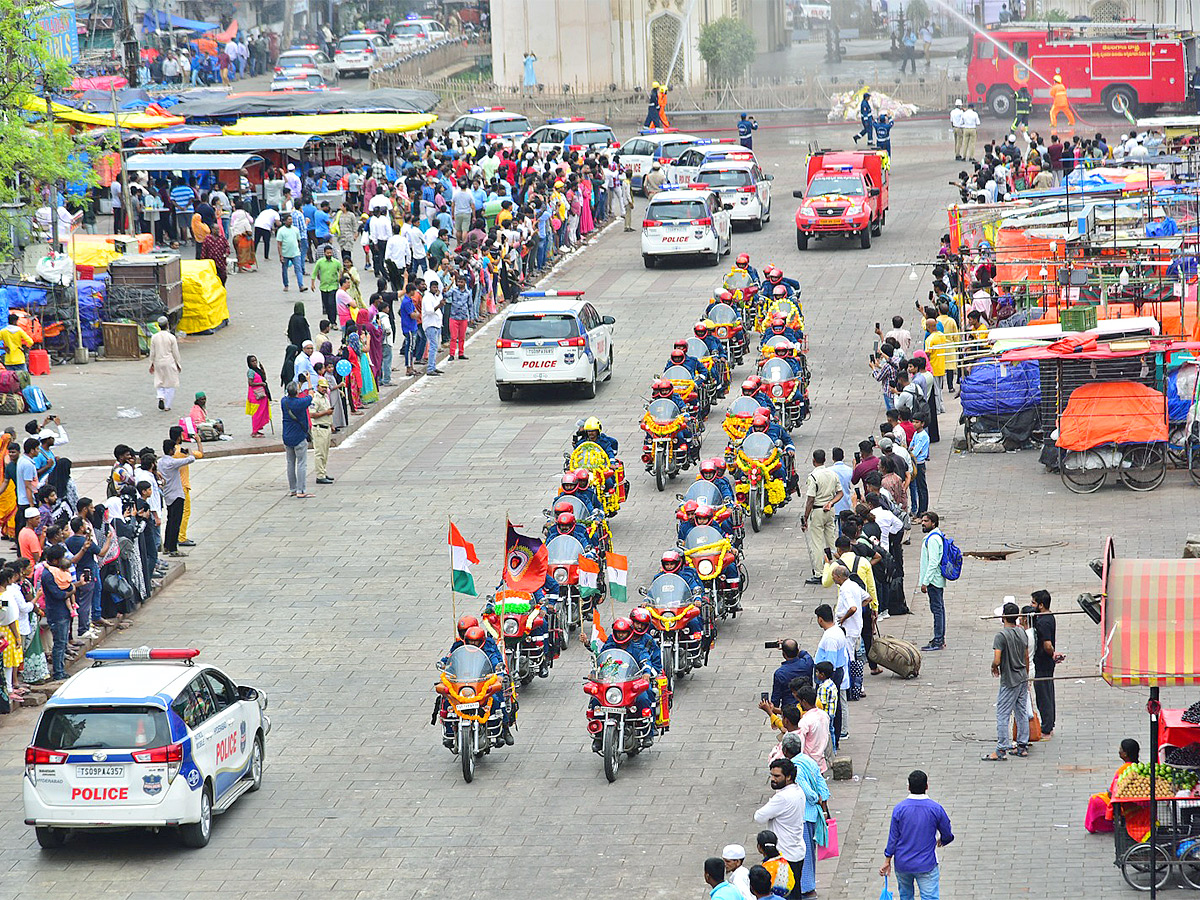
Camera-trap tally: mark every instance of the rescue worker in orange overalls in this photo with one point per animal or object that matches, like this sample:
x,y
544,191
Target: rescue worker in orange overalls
x,y
1058,103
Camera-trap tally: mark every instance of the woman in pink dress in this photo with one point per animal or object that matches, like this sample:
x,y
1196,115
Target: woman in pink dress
x,y
586,224
258,397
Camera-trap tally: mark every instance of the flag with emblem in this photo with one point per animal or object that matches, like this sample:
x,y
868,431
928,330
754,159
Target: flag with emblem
x,y
462,557
525,561
618,572
589,577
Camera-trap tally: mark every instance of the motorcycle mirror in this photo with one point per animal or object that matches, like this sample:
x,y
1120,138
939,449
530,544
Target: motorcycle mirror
x,y
441,666
642,592
545,512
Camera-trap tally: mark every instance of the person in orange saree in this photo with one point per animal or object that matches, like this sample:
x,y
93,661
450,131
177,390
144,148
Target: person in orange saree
x,y
9,451
1099,816
258,397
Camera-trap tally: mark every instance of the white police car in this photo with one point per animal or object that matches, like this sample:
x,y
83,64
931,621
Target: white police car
x,y
492,124
553,337
742,184
144,738
569,135
651,145
684,169
304,59
358,51
690,220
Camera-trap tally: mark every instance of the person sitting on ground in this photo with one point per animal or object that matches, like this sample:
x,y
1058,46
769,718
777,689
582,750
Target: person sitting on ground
x,y
1099,815
206,429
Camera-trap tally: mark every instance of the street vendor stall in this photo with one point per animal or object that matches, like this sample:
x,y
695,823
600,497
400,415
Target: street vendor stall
x,y
332,123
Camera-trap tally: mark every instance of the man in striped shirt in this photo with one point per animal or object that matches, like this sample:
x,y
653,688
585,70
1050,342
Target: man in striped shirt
x,y
184,198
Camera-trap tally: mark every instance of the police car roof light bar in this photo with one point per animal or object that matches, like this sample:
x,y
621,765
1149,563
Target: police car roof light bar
x,y
561,119
142,654
657,130
551,293
479,109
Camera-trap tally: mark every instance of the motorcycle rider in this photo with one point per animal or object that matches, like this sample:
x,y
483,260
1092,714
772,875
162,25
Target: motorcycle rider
x,y
641,634
775,278
570,485
701,515
470,633
673,564
708,472
591,430
621,638
662,389
566,524
762,422
703,330
742,261
719,297
779,328
786,351
752,387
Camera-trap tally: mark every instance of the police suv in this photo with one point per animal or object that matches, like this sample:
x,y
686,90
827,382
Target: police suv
x,y
741,183
489,125
684,169
686,220
569,135
143,739
553,337
651,145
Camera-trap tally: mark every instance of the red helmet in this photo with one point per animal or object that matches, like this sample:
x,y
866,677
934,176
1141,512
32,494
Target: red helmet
x,y
475,636
774,274
783,348
677,356
708,469
760,422
465,623
689,508
569,482
641,620
700,330
743,260
779,291
763,411
749,387
719,462
622,630
661,388
705,512
563,506
672,560
724,297
566,520
583,477
681,344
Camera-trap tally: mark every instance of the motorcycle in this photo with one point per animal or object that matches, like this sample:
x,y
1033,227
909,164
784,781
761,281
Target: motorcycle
x,y
672,607
685,386
702,489
562,554
666,456
473,709
747,293
737,425
717,369
615,724
758,490
791,311
786,390
594,522
608,476
514,616
730,331
709,551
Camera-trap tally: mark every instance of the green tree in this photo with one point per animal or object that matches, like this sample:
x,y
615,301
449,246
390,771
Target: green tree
x,y
918,14
727,46
32,152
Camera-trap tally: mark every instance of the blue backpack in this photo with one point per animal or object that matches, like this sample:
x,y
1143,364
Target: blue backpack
x,y
952,559
35,399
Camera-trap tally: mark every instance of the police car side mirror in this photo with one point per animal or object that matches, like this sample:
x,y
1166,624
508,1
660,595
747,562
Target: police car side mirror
x,y
766,176
874,192
799,195
608,320
245,692
726,206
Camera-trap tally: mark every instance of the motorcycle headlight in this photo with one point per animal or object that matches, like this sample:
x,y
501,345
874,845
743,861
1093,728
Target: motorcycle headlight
x,y
511,627
705,567
467,692
613,695
560,575
777,390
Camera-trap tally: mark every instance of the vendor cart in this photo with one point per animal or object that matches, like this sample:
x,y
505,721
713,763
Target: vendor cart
x,y
1119,426
1175,851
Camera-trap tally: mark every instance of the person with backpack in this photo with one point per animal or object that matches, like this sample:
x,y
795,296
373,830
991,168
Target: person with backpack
x,y
941,561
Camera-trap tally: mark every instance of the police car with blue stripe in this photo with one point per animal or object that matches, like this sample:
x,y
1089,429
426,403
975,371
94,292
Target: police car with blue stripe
x,y
654,145
685,169
687,219
143,739
570,135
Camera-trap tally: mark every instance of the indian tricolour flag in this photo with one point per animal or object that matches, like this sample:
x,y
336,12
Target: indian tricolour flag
x,y
618,573
598,637
589,576
462,555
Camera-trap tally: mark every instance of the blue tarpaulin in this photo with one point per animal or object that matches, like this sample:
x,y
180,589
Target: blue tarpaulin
x,y
993,388
151,23
91,310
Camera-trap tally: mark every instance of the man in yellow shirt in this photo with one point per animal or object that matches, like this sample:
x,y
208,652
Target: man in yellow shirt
x,y
950,351
935,350
15,339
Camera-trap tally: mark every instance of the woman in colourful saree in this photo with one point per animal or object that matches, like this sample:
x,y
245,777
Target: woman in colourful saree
x,y
258,397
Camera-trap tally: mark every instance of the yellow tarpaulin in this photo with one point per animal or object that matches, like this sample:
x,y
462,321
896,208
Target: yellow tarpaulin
x,y
66,113
331,123
205,305
98,250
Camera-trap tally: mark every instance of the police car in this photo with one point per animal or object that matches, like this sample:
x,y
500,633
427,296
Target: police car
x,y
304,59
683,220
492,124
740,183
310,82
144,738
553,337
358,51
653,145
415,32
684,169
569,135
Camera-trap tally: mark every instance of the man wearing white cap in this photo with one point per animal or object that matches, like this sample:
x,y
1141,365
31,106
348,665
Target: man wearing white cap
x,y
304,372
165,364
292,181
736,872
956,126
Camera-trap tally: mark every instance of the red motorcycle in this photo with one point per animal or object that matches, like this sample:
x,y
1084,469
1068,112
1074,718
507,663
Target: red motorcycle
x,y
664,451
515,617
613,719
673,609
730,331
783,386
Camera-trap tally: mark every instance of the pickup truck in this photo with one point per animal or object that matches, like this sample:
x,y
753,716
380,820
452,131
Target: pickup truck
x,y
847,194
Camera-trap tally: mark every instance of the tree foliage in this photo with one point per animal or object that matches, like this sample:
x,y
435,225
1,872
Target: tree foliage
x,y
918,13
727,46
33,153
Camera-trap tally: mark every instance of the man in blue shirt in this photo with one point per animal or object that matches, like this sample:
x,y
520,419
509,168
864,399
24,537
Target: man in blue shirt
x,y
918,449
321,219
842,470
919,827
796,664
295,439
746,127
714,877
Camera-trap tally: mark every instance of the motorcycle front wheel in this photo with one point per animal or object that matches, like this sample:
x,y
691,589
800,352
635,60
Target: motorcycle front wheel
x,y
660,471
611,750
756,512
466,749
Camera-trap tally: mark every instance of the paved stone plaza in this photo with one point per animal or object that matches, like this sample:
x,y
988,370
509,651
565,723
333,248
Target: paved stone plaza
x,y
339,607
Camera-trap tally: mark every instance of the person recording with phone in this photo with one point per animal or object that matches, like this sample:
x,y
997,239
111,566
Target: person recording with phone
x,y
797,663
884,371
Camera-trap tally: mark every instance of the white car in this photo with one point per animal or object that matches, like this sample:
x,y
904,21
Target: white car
x,y
493,124
143,739
742,184
358,51
414,33
684,169
300,61
568,135
553,337
653,145
684,221
309,82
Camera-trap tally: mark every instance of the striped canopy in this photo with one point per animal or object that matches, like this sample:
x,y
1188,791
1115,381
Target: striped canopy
x,y
1148,623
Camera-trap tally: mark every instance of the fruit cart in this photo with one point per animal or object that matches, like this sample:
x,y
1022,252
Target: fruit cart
x,y
1174,853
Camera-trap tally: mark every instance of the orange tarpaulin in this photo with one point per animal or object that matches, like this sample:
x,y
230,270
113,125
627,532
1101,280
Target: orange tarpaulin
x,y
1112,412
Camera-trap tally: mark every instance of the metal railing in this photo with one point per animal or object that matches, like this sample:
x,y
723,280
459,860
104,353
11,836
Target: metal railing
x,y
414,68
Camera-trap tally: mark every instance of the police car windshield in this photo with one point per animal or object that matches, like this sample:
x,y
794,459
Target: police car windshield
x,y
532,328
409,29
103,728
672,151
506,126
354,44
719,178
825,187
592,136
679,211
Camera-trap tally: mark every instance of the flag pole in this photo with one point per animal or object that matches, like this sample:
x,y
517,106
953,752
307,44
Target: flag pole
x,y
453,604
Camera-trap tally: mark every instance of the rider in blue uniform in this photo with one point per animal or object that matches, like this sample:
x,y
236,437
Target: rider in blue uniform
x,y
708,472
662,389
470,633
679,357
673,564
641,634
743,262
566,524
752,387
571,486
703,330
787,352
787,466
705,515
621,638
779,328
775,279
592,430
719,297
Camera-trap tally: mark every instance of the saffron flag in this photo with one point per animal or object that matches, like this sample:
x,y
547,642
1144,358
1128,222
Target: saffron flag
x,y
598,637
589,576
618,572
525,562
462,556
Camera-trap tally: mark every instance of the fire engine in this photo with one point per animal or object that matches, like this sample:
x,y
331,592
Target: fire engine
x,y
1121,66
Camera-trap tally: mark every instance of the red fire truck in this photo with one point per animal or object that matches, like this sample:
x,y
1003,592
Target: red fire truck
x,y
1117,65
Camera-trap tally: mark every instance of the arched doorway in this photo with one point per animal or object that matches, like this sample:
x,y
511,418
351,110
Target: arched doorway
x,y
666,30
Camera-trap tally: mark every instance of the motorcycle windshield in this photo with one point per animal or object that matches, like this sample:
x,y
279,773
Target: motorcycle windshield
x,y
563,550
785,308
702,536
668,591
724,314
663,411
615,667
735,281
577,506
777,370
706,491
468,663
758,445
743,406
775,340
697,348
677,373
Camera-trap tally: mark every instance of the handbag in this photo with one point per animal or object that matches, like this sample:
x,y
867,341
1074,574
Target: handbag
x,y
885,894
830,850
117,586
1035,728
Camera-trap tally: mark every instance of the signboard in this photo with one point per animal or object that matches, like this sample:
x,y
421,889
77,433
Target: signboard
x,y
60,33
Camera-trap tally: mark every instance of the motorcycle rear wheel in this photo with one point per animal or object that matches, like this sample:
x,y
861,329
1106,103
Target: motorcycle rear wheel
x,y
612,755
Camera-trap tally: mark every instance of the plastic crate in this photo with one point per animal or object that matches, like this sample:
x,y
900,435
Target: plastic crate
x,y
1077,318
